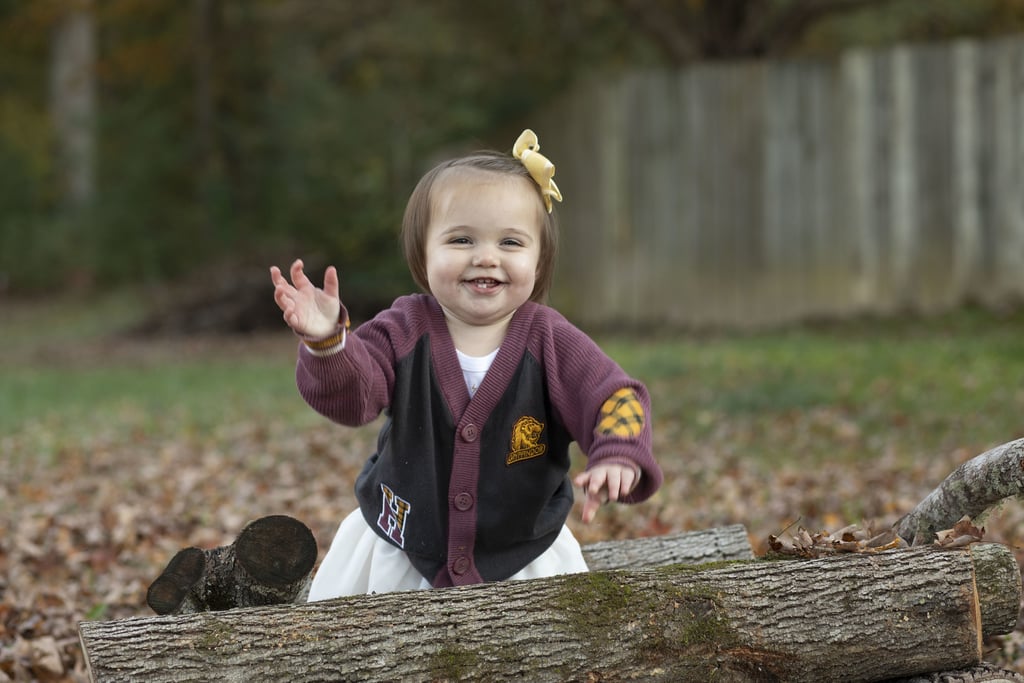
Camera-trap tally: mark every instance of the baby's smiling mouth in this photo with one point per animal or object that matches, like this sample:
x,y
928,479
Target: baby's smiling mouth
x,y
484,282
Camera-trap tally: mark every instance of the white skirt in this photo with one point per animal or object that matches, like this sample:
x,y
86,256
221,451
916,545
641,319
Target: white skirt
x,y
360,562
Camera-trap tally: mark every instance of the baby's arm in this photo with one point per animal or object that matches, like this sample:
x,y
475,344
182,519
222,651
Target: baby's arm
x,y
607,413
308,310
606,483
350,387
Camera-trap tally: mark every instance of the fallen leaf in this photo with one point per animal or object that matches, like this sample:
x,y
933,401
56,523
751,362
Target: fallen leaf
x,y
963,533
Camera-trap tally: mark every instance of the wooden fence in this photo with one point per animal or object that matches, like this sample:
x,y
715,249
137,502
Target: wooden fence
x,y
753,194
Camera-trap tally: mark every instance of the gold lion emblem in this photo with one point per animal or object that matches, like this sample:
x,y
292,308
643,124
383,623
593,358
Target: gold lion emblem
x,y
525,440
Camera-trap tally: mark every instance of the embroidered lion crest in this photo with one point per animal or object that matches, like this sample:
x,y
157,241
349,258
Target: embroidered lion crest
x,y
525,443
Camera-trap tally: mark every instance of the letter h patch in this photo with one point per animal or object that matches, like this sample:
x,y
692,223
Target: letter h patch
x,y
393,513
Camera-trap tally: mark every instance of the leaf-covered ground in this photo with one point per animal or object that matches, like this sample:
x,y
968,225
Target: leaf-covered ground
x,y
116,454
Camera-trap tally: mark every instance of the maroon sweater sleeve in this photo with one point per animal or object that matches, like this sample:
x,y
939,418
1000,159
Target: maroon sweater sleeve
x,y
354,385
581,377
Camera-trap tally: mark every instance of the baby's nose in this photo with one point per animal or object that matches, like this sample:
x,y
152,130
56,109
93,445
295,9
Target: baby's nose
x,y
485,256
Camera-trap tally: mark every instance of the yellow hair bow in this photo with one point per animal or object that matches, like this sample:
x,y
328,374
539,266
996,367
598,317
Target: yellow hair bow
x,y
527,150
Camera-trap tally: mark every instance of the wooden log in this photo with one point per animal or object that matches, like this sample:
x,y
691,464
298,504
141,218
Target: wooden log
x,y
270,563
280,552
721,544
998,581
981,673
857,617
971,490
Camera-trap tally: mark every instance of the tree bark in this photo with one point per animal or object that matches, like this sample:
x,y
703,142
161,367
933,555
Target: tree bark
x,y
270,563
73,105
982,673
972,489
721,544
857,617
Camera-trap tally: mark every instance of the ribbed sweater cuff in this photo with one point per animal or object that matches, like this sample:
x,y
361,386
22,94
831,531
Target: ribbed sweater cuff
x,y
332,343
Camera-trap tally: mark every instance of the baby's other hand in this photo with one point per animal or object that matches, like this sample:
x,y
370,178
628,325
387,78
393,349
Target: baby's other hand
x,y
308,310
605,483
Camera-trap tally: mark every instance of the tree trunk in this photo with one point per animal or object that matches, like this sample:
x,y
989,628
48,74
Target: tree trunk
x,y
207,45
857,617
270,563
73,105
972,489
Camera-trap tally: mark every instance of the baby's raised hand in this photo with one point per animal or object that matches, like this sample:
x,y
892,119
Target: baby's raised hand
x,y
307,309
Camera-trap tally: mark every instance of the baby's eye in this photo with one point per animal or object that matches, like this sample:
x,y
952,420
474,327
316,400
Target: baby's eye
x,y
459,240
511,243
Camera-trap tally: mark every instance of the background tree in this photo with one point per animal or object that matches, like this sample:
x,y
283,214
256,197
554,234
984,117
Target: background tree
x,y
237,131
730,29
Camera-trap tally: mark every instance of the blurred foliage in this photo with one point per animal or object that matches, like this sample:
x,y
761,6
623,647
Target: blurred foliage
x,y
913,20
236,131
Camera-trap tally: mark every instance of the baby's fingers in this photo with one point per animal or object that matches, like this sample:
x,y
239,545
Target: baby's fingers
x,y
299,278
331,282
613,481
590,506
627,481
592,483
283,292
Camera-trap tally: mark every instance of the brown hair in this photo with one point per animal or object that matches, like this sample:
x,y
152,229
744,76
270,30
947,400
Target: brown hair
x,y
417,217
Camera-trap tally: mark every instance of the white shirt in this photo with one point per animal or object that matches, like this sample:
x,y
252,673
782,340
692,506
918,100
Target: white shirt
x,y
474,368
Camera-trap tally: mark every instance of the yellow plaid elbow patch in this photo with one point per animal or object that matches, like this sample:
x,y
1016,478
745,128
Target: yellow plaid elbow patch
x,y
621,415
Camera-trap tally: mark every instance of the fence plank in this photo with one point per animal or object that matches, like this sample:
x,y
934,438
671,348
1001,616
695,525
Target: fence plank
x,y
1009,163
966,169
758,193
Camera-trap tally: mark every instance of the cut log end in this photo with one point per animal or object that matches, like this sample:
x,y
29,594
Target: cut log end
x,y
998,583
276,550
166,594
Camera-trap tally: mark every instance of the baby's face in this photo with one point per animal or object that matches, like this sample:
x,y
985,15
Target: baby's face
x,y
483,245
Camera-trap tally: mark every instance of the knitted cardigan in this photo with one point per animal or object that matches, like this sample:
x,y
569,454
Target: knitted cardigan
x,y
474,489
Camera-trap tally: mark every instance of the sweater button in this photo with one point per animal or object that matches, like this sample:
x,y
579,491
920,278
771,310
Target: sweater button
x,y
463,502
461,565
469,432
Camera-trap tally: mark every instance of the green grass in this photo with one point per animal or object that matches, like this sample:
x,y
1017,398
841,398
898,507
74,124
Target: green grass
x,y
918,384
69,377
825,391
25,325
194,393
